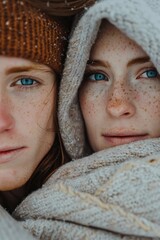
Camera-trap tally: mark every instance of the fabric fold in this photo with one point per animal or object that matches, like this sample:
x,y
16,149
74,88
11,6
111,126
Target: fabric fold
x,y
115,192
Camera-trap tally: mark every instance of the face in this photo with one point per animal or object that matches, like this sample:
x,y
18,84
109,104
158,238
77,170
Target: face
x,y
120,94
27,118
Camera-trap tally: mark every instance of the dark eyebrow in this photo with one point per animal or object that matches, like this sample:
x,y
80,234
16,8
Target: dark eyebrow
x,y
138,60
96,62
27,69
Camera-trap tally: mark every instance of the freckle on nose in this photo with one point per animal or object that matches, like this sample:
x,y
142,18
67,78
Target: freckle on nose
x,y
115,103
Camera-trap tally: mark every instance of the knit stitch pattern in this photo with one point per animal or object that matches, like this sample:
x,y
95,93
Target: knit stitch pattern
x,y
10,229
29,33
112,194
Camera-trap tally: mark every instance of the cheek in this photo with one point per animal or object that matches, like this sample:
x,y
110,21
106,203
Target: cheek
x,y
150,104
154,107
46,112
88,108
147,96
88,102
36,112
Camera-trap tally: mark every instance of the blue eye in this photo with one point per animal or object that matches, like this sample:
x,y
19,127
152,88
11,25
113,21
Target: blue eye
x,y
97,77
152,73
26,82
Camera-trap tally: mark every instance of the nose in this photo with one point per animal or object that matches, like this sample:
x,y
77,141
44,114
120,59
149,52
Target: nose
x,y
6,120
120,103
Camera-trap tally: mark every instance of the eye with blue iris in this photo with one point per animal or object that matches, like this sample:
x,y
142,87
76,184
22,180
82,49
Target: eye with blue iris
x,y
151,73
26,81
97,77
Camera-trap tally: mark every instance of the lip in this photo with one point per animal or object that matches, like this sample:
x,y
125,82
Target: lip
x,y
115,139
9,153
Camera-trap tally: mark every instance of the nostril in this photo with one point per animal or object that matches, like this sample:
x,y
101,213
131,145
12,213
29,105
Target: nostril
x,y
127,113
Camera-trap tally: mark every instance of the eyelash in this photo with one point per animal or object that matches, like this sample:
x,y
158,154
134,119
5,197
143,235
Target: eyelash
x,y
148,70
88,75
91,73
25,87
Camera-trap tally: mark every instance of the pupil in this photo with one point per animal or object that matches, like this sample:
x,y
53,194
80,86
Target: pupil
x,y
151,74
26,81
99,76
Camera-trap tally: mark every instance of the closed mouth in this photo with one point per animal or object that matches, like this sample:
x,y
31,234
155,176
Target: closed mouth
x,y
8,150
114,140
9,154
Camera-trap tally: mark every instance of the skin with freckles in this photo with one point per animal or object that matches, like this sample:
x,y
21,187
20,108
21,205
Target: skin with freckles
x,y
27,123
120,93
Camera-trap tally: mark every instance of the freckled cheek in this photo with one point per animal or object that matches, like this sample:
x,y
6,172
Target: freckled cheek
x,y
89,103
85,104
137,96
27,107
33,110
155,107
150,104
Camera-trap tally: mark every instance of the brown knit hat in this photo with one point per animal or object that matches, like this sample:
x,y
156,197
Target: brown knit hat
x,y
27,32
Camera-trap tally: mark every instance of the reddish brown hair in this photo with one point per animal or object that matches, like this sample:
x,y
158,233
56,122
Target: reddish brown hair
x,y
62,7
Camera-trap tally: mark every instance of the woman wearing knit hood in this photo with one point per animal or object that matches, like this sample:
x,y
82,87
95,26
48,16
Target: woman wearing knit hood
x,y
113,192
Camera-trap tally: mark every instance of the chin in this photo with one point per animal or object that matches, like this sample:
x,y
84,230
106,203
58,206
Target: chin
x,y
11,180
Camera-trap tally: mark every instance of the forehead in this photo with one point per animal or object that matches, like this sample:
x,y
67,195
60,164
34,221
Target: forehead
x,y
112,42
21,64
111,39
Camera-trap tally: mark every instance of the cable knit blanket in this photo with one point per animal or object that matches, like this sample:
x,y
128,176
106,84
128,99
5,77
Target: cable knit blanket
x,y
112,194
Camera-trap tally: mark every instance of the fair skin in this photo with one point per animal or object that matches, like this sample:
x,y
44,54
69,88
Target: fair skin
x,y
27,118
120,94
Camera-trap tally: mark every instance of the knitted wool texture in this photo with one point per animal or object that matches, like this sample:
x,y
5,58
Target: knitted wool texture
x,y
139,20
29,33
113,194
11,229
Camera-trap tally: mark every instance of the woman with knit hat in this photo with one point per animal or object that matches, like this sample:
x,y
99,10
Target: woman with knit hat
x,y
32,50
113,192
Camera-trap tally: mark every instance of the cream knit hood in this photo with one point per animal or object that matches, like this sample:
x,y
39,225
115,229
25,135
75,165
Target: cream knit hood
x,y
139,20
